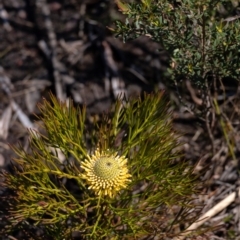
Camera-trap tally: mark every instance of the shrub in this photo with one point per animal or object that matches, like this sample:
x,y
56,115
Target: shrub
x,y
122,178
202,39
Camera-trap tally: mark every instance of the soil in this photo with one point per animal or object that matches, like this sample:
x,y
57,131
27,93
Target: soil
x,y
65,47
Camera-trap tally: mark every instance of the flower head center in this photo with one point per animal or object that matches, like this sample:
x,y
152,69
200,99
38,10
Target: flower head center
x,y
107,168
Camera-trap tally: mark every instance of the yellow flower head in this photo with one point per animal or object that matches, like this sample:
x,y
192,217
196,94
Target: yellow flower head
x,y
106,173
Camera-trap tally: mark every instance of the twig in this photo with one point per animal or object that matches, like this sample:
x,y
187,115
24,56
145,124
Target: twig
x,y
5,82
192,92
4,17
23,118
209,214
209,106
5,122
112,70
53,47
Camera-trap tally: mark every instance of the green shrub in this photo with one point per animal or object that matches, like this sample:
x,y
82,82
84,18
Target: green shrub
x,y
122,177
202,39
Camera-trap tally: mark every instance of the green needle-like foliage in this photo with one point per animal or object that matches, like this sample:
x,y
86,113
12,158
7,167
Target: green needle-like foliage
x,y
50,199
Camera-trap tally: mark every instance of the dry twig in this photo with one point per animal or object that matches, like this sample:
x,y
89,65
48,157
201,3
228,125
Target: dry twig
x,y
209,214
61,94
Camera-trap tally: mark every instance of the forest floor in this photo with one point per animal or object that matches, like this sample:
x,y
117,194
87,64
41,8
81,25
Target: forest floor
x,y
65,48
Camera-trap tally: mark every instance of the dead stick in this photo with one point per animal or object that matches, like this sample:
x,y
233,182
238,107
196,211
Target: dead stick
x,y
209,214
42,4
